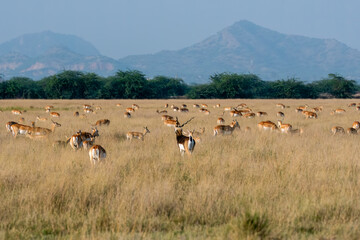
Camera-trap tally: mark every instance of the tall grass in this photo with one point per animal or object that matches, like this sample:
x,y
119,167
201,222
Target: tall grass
x,y
252,185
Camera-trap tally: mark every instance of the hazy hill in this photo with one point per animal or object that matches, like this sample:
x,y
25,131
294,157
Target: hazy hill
x,y
248,48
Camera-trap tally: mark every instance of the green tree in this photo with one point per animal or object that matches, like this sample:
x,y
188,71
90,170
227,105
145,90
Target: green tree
x,y
335,85
165,87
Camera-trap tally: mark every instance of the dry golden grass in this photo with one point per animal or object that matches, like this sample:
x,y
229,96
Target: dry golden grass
x,y
248,185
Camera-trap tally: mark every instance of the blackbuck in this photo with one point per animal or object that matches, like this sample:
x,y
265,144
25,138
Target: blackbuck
x,y
19,129
76,141
16,112
249,115
338,111
352,105
261,114
337,130
102,122
137,135
185,143
55,114
280,105
280,114
130,110
284,128
88,110
267,125
127,115
226,129
356,125
76,114
40,131
196,105
135,106
351,131
235,113
96,154
162,111
166,117
8,125
309,114
170,122
220,120
184,110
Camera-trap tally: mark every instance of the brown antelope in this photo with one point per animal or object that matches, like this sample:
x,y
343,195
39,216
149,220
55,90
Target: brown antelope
x,y
130,110
16,112
185,143
261,114
356,125
55,114
280,114
206,112
280,105
267,125
42,119
303,108
284,128
298,110
204,105
235,113
309,114
76,114
127,115
86,136
88,110
118,104
135,106
88,144
317,109
75,141
49,107
166,105
337,129
184,110
166,117
351,131
249,115
162,111
227,108
86,106
242,105
183,105
170,122
226,129
19,129
102,122
175,109
217,105
137,135
338,111
39,131
220,121
8,125
352,105
96,154
196,105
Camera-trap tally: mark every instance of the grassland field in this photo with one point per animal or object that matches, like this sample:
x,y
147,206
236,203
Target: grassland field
x,y
249,185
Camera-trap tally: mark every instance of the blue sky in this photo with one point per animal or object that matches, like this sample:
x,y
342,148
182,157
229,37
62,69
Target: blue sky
x,y
118,28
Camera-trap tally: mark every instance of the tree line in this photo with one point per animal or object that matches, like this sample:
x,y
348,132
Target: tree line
x,y
132,84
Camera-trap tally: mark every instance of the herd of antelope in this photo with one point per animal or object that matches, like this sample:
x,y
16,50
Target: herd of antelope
x,y
186,140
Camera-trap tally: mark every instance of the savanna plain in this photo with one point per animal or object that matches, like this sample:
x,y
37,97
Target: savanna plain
x,y
248,185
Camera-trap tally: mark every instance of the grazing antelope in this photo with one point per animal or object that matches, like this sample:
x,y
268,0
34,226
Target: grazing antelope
x,y
352,105
135,106
226,129
86,136
175,109
280,105
16,112
76,114
162,111
309,114
184,106
42,119
298,110
88,110
204,105
127,115
303,108
217,105
261,114
337,129
137,135
235,113
130,110
227,108
267,125
55,114
338,111
249,115
185,143
351,131
102,122
185,110
97,153
166,117
280,114
196,106
206,112
356,125
284,128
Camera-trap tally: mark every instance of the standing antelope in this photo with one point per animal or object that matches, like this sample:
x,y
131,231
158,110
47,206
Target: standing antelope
x,y
261,114
127,115
130,110
280,114
309,114
226,129
102,122
284,128
267,125
185,143
16,128
235,113
86,106
8,125
196,105
137,135
356,125
96,154
337,129
220,120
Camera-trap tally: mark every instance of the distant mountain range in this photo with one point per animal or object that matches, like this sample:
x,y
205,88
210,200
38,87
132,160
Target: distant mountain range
x,y
243,47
